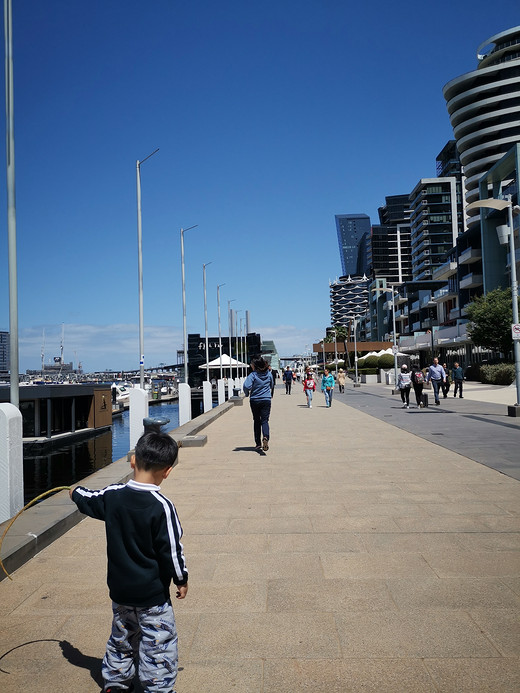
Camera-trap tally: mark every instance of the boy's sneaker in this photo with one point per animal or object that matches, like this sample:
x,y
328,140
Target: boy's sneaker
x,y
265,444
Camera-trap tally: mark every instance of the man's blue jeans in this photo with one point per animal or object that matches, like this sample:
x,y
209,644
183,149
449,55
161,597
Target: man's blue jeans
x,y
260,408
436,385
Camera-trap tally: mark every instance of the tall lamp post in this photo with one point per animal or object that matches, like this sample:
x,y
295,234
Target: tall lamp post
x,y
14,368
219,328
242,320
184,331
140,268
230,330
323,351
505,233
206,317
354,322
236,339
335,351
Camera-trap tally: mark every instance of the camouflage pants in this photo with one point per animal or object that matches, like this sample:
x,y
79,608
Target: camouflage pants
x,y
149,635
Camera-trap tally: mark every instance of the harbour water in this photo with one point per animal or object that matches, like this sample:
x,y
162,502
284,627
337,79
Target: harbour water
x,y
74,461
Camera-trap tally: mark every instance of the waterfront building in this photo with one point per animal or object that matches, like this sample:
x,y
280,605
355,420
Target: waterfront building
x,y
4,352
483,106
348,299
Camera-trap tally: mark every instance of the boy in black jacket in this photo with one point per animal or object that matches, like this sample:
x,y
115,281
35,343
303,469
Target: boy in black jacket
x,y
144,555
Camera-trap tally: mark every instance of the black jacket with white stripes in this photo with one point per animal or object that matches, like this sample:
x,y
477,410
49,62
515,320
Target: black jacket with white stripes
x,y
143,541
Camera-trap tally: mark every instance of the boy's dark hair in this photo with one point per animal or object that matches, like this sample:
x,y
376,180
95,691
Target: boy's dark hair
x,y
260,363
155,451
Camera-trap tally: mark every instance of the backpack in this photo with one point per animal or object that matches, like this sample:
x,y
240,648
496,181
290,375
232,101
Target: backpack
x,y
418,378
404,380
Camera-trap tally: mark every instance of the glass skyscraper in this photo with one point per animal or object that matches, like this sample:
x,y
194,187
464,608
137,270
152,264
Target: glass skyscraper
x,y
353,233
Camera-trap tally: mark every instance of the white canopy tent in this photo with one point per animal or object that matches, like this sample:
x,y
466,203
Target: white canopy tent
x,y
227,362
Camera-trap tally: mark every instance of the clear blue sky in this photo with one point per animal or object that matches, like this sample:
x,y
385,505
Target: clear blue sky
x,y
271,117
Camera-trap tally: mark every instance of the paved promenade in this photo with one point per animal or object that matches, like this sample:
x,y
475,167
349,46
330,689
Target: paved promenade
x,y
353,556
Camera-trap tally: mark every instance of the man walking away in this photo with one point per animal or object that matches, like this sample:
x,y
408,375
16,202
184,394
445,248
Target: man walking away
x,y
288,376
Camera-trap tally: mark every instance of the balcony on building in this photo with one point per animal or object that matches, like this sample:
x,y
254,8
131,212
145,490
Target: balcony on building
x,y
471,281
415,307
445,271
470,255
416,326
454,313
427,301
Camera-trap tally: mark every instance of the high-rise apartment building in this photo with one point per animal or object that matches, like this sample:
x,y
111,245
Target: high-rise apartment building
x,y
4,352
353,231
484,111
389,252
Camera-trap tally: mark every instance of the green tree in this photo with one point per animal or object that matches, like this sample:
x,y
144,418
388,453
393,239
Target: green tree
x,y
341,332
490,318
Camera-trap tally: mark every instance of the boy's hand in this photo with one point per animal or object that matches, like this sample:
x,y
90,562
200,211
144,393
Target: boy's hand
x,y
182,591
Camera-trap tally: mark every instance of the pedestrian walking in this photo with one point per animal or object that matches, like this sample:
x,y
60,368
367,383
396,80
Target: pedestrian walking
x,y
288,377
309,387
436,375
418,385
457,375
144,554
258,387
341,380
404,383
446,384
327,386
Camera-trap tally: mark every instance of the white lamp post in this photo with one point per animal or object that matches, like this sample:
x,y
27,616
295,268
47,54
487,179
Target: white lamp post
x,y
230,330
335,351
184,331
237,339
323,350
356,384
206,316
219,329
140,269
500,205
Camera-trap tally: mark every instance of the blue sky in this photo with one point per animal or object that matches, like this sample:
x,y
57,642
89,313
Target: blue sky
x,y
270,117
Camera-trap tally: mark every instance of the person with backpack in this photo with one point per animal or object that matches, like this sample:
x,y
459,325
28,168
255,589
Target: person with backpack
x,y
404,383
309,386
418,385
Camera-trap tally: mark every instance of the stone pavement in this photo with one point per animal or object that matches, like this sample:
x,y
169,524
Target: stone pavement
x,y
353,556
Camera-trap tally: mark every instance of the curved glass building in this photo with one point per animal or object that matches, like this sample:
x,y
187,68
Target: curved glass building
x,y
484,109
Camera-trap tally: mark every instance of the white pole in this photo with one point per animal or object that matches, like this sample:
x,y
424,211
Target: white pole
x,y
236,338
184,330
11,209
140,269
219,329
395,340
230,329
355,349
514,293
206,316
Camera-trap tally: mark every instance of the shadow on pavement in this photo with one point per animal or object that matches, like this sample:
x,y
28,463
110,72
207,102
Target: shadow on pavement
x,y
78,659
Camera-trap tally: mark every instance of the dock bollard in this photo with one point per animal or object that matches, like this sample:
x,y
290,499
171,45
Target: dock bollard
x,y
152,424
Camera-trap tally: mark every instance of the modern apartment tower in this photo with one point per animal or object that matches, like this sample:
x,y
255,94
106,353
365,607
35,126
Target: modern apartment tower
x,y
4,352
389,252
484,110
353,231
349,293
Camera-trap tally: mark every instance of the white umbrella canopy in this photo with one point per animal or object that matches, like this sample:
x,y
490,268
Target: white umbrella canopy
x,y
227,362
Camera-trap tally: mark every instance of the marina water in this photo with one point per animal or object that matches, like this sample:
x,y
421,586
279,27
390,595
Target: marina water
x,y
69,464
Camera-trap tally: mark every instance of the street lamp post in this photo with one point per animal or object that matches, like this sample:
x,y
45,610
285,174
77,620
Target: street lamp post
x,y
323,351
219,329
184,331
230,330
335,351
242,320
14,369
236,339
500,205
206,317
140,268
356,384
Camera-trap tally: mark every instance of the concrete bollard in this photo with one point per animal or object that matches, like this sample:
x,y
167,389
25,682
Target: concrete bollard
x,y
230,385
138,404
184,403
207,396
11,461
221,389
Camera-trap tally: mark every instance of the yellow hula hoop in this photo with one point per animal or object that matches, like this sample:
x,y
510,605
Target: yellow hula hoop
x,y
34,500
